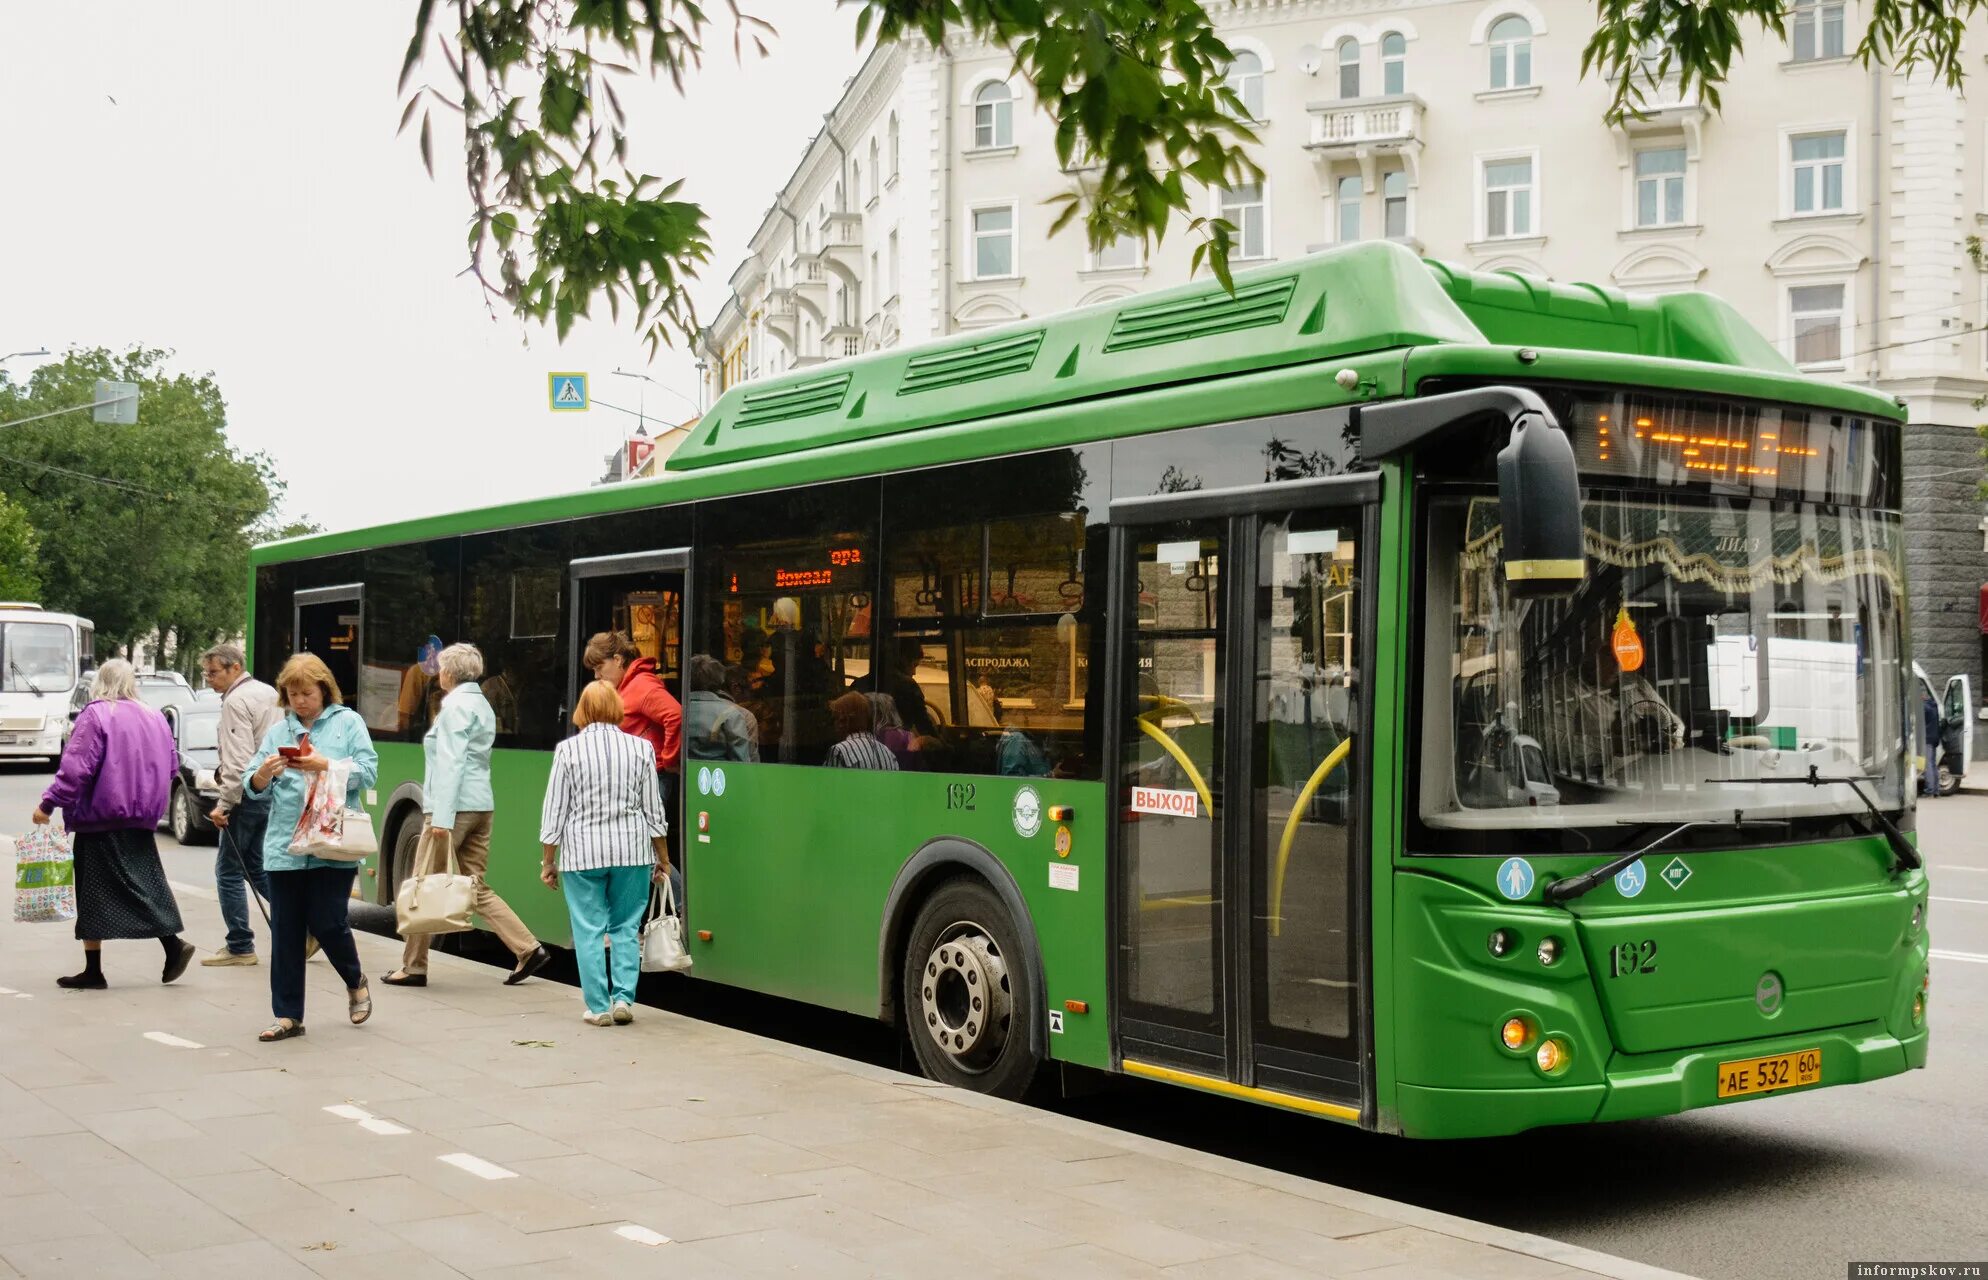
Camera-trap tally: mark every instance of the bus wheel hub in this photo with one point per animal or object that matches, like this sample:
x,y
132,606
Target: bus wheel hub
x,y
963,999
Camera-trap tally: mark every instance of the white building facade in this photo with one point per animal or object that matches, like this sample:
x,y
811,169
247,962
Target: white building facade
x,y
1830,203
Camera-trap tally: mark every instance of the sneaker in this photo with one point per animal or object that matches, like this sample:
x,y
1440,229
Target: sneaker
x,y
598,1019
621,1013
228,959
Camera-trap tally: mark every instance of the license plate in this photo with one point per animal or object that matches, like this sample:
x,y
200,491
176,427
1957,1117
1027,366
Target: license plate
x,y
1766,1075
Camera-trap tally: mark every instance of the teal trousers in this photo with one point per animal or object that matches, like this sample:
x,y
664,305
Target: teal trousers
x,y
606,906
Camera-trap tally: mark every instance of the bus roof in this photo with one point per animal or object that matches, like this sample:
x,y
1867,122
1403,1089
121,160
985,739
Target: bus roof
x,y
1193,355
1348,301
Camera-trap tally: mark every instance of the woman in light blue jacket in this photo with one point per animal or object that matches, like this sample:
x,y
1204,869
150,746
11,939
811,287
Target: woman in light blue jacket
x,y
308,895
456,805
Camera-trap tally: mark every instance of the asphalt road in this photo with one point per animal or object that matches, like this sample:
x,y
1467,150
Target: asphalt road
x,y
1792,1187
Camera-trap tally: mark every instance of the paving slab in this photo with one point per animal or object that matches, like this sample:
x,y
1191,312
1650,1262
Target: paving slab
x,y
476,1130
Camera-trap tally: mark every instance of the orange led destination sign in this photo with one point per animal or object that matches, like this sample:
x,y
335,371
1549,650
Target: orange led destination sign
x,y
1721,450
835,567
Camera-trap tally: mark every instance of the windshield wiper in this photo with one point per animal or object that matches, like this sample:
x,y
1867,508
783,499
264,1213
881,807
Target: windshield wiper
x,y
1901,848
22,676
1565,891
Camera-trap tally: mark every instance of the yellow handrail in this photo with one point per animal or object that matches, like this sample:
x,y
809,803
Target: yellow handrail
x,y
1172,748
1163,704
1325,767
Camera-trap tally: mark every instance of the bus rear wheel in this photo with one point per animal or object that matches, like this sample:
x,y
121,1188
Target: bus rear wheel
x,y
966,993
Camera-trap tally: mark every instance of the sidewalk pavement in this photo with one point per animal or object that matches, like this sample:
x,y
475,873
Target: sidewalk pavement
x,y
472,1129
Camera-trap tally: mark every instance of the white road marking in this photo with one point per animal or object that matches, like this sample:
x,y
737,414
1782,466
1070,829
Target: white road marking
x,y
161,1037
1948,866
346,1111
640,1235
372,1124
1968,956
1971,902
22,995
476,1165
8,991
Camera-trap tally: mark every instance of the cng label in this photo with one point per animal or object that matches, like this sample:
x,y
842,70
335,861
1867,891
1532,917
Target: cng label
x,y
1177,804
1675,873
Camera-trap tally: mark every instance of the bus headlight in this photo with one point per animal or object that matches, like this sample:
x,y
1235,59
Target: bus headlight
x,y
1919,1009
1549,951
1501,942
1552,1056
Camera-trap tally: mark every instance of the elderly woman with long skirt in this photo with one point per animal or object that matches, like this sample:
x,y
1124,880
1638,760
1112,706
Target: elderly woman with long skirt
x,y
112,787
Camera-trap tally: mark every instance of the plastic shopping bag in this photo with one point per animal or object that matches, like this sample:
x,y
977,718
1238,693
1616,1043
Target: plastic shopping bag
x,y
326,828
44,876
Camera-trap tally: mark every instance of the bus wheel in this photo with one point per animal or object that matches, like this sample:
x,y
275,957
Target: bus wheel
x,y
406,848
969,1016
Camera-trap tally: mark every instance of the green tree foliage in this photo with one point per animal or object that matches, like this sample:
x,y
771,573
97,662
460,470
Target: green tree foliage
x,y
19,577
144,527
1135,86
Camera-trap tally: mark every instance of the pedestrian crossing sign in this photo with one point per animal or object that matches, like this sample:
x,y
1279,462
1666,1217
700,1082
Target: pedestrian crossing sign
x,y
567,392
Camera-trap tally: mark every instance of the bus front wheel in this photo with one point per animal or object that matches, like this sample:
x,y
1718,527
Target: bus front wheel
x,y
966,1002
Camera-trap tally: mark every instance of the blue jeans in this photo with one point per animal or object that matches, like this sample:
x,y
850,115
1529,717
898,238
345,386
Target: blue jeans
x,y
243,835
606,904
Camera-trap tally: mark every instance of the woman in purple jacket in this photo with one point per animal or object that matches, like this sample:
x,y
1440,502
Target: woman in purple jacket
x,y
112,788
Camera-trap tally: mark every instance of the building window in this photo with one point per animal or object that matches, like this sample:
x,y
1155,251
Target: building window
x,y
896,147
1394,63
1242,208
994,115
1508,198
1818,29
876,170
1394,204
870,284
1511,52
1346,202
1245,80
856,178
893,263
1816,320
1660,187
1120,255
993,242
1349,68
1818,165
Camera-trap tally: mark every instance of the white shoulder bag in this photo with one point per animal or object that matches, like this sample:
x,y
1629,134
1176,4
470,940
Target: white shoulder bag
x,y
662,937
436,902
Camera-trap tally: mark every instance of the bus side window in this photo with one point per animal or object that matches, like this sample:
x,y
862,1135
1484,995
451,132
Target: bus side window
x,y
514,610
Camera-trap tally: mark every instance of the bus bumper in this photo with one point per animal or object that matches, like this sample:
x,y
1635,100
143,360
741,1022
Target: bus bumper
x,y
1638,1086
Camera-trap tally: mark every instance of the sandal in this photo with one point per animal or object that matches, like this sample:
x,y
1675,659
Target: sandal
x,y
359,1001
281,1030
402,978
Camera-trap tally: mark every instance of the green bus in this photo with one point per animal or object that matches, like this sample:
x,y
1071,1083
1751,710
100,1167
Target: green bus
x,y
1446,703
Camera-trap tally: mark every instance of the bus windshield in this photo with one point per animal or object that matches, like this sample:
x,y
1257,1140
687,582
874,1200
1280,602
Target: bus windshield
x,y
36,656
1718,643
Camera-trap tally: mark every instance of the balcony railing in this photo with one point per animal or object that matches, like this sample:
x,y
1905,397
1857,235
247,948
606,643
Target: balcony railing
x,y
1357,123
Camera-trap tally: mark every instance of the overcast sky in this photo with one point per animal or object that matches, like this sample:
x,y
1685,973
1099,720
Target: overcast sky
x,y
223,180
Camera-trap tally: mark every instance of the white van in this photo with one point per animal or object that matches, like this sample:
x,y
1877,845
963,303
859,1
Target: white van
x,y
44,658
1956,746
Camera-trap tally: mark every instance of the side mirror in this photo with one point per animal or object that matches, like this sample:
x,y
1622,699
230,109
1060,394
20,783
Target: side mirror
x,y
1539,489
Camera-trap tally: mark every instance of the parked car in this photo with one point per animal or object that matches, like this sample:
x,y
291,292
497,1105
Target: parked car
x,y
164,689
197,733
1956,746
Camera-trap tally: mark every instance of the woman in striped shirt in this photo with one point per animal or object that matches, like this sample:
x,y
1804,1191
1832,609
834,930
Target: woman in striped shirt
x,y
604,829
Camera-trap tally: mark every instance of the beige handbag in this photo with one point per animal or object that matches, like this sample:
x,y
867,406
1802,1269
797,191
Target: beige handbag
x,y
437,902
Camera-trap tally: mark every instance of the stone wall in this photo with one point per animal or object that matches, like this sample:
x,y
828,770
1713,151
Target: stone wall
x,y
1944,560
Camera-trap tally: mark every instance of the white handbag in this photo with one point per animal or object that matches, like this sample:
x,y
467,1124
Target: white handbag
x,y
438,902
327,828
662,937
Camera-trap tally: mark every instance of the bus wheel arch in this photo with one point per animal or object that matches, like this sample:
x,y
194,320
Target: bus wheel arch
x,y
400,836
929,874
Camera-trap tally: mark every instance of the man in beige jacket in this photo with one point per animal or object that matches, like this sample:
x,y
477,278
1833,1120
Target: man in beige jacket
x,y
248,709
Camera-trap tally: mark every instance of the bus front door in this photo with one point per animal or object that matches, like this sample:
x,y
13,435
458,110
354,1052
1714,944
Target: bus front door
x,y
1238,876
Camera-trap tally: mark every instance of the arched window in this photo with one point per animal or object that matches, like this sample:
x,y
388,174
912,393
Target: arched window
x,y
1394,63
896,149
1246,82
994,115
1349,68
856,178
1511,52
876,170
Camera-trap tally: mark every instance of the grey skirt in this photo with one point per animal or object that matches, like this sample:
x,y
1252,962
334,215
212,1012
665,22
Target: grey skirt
x,y
121,889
